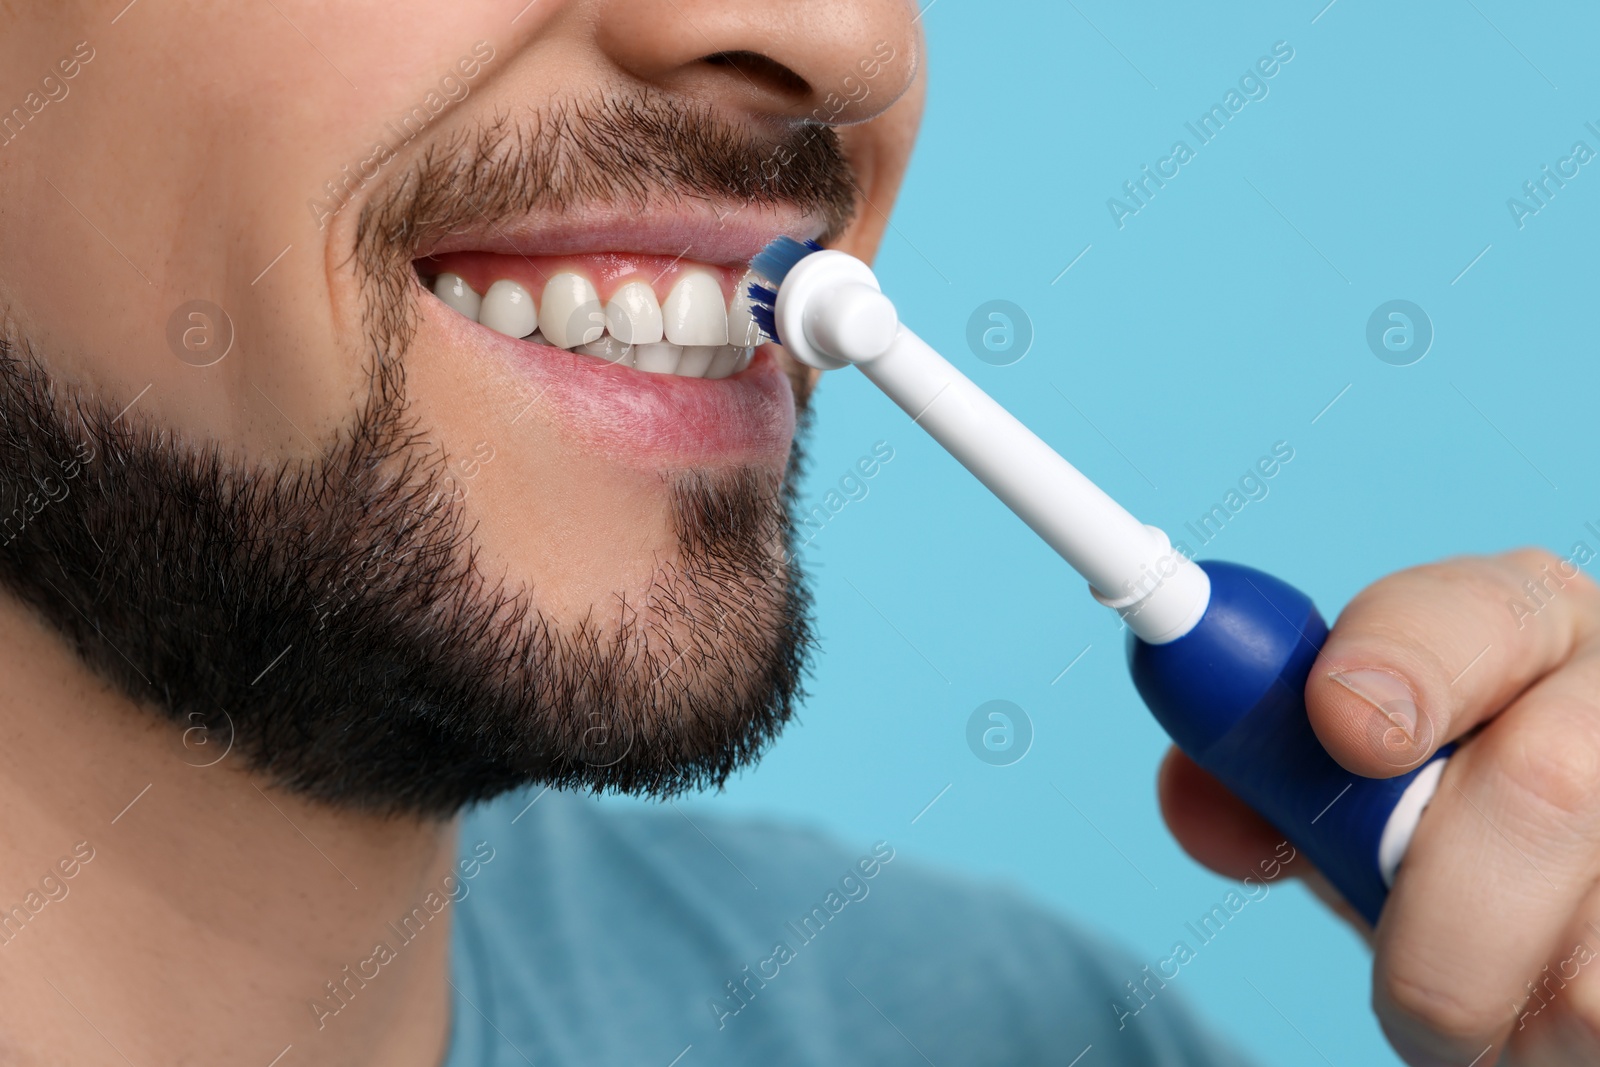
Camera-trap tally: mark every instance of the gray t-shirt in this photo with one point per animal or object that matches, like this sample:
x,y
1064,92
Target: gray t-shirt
x,y
588,935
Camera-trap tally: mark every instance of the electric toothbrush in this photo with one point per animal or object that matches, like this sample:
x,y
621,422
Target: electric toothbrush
x,y
1220,652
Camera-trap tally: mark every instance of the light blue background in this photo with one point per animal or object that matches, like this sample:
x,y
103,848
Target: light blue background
x,y
1221,319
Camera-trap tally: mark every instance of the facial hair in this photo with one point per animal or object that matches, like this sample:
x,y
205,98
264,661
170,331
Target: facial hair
x,y
326,617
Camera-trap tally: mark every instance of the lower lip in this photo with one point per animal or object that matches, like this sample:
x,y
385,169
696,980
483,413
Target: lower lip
x,y
655,420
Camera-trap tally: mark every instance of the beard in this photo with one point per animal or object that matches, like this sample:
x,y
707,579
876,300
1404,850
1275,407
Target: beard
x,y
327,620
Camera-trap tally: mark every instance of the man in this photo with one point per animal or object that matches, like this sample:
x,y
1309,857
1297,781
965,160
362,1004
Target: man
x,y
382,435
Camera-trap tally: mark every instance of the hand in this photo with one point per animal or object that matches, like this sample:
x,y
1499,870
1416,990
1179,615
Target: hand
x,y
1490,941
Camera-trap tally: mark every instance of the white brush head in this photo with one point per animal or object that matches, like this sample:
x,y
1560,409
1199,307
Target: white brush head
x,y
850,321
831,312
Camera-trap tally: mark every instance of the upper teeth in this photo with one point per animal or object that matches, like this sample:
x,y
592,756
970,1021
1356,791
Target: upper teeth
x,y
508,308
633,316
571,312
694,313
692,333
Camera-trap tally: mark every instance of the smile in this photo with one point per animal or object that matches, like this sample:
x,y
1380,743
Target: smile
x,y
633,330
656,314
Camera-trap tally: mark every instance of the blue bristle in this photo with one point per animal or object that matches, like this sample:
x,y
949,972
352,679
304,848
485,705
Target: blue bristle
x,y
763,305
775,261
767,320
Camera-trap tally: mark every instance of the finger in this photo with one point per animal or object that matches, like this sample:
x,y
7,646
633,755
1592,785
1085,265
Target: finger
x,y
1222,832
1215,827
1425,655
1504,856
1557,1023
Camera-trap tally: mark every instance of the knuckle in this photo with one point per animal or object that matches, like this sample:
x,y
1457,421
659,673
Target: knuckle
x,y
1558,764
1435,1007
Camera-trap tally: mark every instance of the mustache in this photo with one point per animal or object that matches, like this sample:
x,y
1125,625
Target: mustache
x,y
630,151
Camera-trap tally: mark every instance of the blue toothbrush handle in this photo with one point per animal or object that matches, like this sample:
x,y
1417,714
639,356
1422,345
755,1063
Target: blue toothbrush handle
x,y
1231,692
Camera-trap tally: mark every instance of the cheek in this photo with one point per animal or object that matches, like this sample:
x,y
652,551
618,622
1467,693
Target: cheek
x,y
96,272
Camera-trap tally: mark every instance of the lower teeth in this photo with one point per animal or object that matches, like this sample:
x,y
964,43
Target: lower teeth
x,y
609,349
684,361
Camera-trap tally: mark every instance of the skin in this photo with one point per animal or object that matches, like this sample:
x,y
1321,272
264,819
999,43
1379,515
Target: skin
x,y
211,898
213,909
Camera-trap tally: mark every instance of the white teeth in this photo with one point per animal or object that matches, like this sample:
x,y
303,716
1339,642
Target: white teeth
x,y
609,349
633,316
508,308
572,314
661,357
742,329
695,312
457,294
728,360
692,334
697,360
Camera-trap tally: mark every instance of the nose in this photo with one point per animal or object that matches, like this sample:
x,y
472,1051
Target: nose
x,y
836,62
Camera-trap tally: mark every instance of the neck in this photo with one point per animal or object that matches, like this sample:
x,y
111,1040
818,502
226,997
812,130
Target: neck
x,y
157,909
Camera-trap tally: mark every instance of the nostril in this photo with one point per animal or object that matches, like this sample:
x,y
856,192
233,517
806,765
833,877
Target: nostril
x,y
762,70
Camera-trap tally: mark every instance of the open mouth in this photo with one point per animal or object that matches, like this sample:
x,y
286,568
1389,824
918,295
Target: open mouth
x,y
632,329
655,314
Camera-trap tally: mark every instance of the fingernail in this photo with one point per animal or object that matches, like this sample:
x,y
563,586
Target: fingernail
x,y
1399,732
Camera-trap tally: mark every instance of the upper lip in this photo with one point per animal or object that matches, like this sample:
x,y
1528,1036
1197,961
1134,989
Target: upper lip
x,y
695,230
